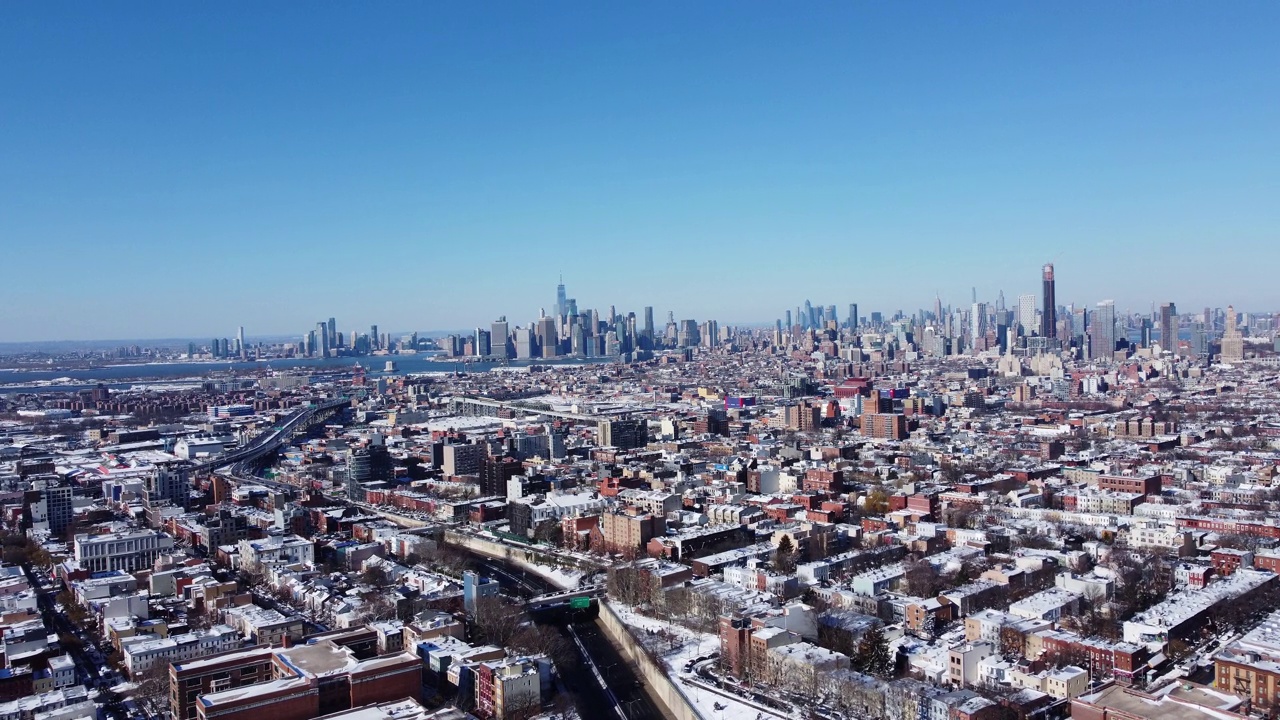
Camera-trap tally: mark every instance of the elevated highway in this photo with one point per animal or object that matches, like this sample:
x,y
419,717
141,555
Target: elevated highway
x,y
471,405
242,463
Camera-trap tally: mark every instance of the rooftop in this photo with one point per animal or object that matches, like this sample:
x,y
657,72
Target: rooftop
x,y
318,659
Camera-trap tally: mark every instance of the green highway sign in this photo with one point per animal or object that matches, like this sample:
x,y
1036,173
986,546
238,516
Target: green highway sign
x,y
580,603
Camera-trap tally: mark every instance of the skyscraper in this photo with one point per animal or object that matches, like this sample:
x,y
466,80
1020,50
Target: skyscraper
x,y
561,299
322,339
548,337
500,338
1049,316
333,332
648,328
373,337
977,322
525,343
1102,331
483,343
1232,341
240,342
1027,313
853,315
1169,328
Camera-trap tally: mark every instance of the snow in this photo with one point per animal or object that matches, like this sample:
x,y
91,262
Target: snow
x,y
678,646
560,577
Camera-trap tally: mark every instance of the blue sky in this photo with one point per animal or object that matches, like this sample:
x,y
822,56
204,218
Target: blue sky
x,y
178,169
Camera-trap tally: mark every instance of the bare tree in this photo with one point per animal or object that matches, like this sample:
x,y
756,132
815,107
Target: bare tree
x,y
532,639
495,621
153,687
921,579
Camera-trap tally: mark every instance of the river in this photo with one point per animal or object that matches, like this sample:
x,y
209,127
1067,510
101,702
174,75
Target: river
x,y
122,377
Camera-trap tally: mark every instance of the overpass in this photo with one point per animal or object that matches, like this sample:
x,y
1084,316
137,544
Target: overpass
x,y
549,599
469,405
473,406
268,443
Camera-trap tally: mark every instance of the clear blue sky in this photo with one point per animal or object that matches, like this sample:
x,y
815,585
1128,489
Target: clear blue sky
x,y
178,169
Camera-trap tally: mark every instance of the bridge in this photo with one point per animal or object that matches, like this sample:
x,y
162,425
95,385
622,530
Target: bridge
x,y
560,598
266,444
471,405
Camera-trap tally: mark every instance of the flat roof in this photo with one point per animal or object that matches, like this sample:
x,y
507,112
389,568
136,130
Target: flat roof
x,y
318,659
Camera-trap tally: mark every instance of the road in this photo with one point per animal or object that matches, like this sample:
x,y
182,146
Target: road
x,y
618,673
592,696
268,442
58,623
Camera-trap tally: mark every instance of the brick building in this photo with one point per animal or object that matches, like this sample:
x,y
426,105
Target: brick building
x,y
887,426
331,673
623,532
188,681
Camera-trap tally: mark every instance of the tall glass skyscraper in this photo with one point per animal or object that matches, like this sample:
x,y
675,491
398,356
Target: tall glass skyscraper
x,y
1102,331
1049,316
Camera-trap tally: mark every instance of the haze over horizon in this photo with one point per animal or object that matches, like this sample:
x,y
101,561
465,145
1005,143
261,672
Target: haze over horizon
x,y
177,171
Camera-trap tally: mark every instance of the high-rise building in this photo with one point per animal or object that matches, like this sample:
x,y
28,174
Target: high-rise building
x,y
1027,313
500,337
168,483
332,329
1049,315
977,322
853,316
623,434
373,337
484,345
688,334
562,304
1232,341
525,344
240,347
1102,331
322,339
1169,328
548,337
1199,339
648,329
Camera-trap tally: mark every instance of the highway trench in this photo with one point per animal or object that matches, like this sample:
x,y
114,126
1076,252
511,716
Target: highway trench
x,y
605,686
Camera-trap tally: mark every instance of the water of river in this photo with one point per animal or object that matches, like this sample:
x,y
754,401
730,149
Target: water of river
x,y
115,376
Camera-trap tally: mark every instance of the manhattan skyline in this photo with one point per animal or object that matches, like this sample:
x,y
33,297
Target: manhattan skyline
x,y
172,173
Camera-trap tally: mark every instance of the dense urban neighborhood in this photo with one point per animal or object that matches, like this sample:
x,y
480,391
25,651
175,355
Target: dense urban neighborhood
x,y
930,517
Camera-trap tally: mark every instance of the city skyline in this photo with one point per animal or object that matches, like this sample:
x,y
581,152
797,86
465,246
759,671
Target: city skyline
x,y
530,317
688,161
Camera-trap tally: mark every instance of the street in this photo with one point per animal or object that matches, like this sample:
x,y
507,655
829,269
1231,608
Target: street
x,y
591,697
86,666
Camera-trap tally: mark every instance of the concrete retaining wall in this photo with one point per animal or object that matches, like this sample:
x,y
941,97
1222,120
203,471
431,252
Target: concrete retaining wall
x,y
657,683
527,558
